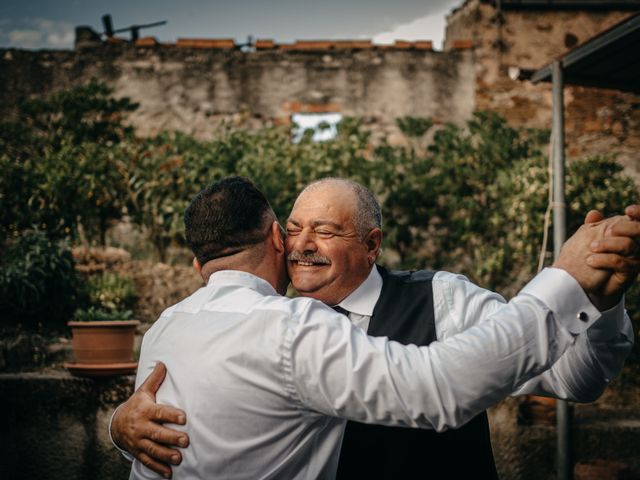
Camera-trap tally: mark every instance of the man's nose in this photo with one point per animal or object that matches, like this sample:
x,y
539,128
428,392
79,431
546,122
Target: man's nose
x,y
305,242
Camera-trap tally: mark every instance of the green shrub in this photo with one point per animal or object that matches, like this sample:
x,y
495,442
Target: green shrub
x,y
38,281
472,200
110,297
61,164
95,314
111,292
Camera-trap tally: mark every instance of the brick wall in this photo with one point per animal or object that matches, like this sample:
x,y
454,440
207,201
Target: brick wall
x,y
597,121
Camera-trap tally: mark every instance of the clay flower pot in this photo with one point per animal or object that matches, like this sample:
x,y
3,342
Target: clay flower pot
x,y
103,348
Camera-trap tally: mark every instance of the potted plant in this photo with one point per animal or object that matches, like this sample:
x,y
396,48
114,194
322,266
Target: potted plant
x,y
104,333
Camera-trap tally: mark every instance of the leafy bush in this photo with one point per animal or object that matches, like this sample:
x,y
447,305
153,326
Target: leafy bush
x,y
166,171
38,282
110,291
87,113
110,297
468,198
96,314
61,164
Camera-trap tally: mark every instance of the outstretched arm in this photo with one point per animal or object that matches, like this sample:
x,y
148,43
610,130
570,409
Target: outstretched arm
x,y
585,370
136,427
339,371
596,358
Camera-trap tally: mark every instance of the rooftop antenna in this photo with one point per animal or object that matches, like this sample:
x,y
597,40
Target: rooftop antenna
x,y
134,29
248,45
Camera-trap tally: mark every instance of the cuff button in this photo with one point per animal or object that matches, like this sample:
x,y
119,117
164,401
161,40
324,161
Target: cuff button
x,y
582,316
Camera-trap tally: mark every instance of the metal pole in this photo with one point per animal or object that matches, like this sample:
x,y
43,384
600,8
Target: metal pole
x,y
108,25
565,463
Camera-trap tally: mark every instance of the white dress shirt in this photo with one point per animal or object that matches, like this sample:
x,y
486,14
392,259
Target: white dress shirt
x,y
266,380
580,375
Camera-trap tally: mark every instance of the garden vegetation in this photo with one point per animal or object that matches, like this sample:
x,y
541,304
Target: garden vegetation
x,y
470,199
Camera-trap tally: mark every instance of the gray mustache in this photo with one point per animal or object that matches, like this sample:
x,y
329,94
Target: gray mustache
x,y
297,256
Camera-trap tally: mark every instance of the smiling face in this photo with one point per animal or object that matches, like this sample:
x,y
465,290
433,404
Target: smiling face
x,y
327,257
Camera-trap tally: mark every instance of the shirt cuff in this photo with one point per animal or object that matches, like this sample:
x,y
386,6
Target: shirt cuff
x,y
564,296
124,453
613,322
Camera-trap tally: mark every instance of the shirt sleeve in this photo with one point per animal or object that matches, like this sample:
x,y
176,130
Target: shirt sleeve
x,y
124,453
143,371
335,369
585,369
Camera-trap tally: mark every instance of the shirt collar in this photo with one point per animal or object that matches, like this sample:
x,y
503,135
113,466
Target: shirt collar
x,y
364,298
237,278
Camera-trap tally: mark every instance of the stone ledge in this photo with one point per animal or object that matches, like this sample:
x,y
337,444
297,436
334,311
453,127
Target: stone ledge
x,y
55,426
57,391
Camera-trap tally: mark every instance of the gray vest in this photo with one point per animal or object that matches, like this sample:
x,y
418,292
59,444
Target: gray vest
x,y
404,313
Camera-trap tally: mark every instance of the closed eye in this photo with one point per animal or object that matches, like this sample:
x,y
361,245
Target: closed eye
x,y
293,231
324,233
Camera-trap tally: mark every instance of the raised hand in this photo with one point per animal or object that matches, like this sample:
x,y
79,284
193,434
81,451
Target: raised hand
x,y
618,251
577,249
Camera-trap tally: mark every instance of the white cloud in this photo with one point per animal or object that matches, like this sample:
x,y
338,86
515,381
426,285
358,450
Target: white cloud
x,y
40,33
430,27
61,40
25,38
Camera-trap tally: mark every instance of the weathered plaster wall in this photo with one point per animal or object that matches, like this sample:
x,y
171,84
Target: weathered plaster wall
x,y
597,121
194,85
194,89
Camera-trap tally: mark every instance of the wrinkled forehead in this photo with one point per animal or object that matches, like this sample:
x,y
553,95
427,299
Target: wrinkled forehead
x,y
331,203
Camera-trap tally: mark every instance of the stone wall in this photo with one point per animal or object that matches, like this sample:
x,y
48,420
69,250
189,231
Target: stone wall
x,y
597,121
54,426
194,86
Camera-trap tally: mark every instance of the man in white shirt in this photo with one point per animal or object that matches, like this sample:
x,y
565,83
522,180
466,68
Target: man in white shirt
x,y
331,245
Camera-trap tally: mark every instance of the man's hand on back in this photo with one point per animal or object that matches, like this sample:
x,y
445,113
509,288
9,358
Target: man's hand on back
x,y
137,426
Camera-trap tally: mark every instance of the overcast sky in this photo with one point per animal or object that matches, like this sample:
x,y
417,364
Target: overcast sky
x,y
39,24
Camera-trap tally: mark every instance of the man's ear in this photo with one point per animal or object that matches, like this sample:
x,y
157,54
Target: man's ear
x,y
277,237
196,265
373,241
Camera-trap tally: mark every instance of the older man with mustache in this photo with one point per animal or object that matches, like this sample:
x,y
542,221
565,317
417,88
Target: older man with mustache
x,y
334,239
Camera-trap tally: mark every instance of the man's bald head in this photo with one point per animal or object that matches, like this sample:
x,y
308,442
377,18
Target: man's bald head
x,y
333,239
367,214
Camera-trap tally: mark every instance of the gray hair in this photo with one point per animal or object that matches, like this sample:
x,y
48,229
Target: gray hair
x,y
368,215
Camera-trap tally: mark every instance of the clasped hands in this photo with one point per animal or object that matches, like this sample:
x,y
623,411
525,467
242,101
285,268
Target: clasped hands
x,y
604,256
